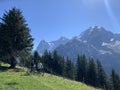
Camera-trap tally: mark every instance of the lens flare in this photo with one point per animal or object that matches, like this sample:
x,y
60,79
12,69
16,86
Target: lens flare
x,y
113,19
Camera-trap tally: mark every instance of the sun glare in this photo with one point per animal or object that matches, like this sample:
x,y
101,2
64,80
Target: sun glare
x,y
111,15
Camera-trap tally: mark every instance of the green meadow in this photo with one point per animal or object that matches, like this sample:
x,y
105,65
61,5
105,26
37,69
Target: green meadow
x,y
19,80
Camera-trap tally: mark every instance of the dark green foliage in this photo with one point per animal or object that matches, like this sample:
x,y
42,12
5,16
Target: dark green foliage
x,y
102,77
46,60
81,68
109,85
70,69
58,65
55,64
36,57
86,71
92,73
14,35
115,80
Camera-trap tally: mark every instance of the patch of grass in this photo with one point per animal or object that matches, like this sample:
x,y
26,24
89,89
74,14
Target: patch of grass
x,y
11,80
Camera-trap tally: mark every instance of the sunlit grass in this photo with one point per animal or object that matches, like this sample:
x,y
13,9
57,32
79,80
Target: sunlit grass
x,y
12,80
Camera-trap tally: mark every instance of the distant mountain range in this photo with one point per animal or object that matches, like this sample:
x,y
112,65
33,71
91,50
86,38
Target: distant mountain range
x,y
50,46
95,42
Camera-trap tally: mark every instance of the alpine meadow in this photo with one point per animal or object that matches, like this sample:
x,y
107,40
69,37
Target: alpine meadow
x,y
44,45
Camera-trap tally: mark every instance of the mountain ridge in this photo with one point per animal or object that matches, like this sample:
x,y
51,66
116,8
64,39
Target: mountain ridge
x,y
50,46
94,42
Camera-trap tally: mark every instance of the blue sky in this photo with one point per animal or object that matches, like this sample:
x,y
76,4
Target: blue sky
x,y
50,19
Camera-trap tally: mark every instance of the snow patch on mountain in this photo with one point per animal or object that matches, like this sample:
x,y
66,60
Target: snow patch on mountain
x,y
104,44
112,44
105,52
112,39
93,28
85,41
51,44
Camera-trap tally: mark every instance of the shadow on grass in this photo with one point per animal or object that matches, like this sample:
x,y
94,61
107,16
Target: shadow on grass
x,y
11,83
3,68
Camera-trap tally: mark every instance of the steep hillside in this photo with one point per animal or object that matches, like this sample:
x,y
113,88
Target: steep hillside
x,y
14,80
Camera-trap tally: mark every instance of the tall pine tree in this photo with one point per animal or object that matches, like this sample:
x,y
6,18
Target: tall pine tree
x,y
102,77
45,60
115,80
14,35
81,66
58,63
92,73
37,58
70,69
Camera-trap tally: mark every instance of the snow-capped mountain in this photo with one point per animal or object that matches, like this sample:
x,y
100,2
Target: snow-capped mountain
x,y
95,41
50,46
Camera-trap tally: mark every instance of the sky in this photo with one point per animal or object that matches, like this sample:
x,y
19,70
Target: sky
x,y
51,19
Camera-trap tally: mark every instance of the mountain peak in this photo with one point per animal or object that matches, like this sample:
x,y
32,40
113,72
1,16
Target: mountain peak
x,y
43,41
96,27
50,46
93,29
62,38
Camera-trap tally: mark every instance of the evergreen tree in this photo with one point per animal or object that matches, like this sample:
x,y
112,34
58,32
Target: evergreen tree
x,y
115,80
63,66
50,62
81,68
70,69
36,57
109,85
45,60
53,63
102,77
14,35
58,63
78,64
92,73
73,71
25,58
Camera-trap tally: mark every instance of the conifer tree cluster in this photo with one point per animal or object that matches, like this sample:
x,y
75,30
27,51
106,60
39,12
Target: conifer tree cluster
x,y
83,70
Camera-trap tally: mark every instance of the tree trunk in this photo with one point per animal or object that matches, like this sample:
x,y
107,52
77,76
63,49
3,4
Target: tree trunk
x,y
12,63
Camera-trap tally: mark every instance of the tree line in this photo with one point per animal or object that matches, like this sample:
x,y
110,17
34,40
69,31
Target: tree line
x,y
84,70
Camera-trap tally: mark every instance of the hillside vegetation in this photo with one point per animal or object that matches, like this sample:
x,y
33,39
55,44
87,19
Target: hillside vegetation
x,y
19,80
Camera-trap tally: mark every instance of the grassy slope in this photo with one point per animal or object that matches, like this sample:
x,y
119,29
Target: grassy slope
x,y
11,80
